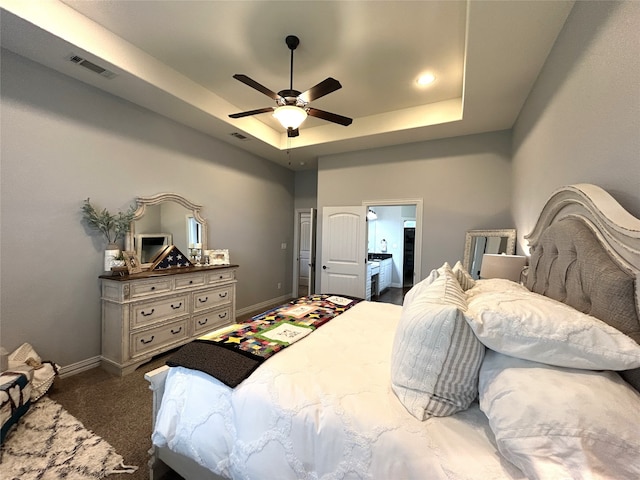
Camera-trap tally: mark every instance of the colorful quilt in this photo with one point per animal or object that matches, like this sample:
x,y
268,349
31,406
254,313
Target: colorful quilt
x,y
233,353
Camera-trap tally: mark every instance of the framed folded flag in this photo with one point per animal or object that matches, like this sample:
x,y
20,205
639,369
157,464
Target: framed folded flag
x,y
170,257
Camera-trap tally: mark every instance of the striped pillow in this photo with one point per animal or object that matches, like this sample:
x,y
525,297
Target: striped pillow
x,y
465,280
436,356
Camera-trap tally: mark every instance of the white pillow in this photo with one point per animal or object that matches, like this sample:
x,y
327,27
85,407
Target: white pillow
x,y
465,280
43,373
418,287
435,357
553,422
500,285
527,325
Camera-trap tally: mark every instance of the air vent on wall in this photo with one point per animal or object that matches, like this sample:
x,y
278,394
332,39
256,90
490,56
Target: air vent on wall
x,y
239,136
91,66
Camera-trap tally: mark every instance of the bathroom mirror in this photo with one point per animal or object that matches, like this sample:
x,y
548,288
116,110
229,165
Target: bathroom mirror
x,y
165,219
479,242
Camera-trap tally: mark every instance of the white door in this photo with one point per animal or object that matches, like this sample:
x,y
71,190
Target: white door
x,y
304,269
344,250
306,253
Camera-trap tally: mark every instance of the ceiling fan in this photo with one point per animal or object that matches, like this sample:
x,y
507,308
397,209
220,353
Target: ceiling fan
x,y
292,106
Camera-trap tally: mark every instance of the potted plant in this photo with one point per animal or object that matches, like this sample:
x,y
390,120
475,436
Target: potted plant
x,y
113,227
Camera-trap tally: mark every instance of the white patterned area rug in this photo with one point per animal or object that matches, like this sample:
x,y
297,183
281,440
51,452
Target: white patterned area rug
x,y
49,443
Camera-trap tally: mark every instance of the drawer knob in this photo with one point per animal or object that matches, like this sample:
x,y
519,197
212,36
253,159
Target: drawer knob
x,y
223,295
147,314
176,307
152,288
206,299
203,322
190,282
176,331
147,341
222,315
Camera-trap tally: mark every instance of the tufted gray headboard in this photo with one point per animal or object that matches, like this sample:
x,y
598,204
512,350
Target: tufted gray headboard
x,y
585,252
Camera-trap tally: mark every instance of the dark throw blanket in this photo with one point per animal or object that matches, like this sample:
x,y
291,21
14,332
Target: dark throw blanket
x,y
232,354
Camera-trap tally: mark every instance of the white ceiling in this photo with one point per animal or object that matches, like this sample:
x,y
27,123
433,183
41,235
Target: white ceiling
x,y
177,58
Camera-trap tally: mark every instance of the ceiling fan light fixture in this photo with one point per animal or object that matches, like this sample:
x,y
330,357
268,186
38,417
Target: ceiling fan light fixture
x,y
290,116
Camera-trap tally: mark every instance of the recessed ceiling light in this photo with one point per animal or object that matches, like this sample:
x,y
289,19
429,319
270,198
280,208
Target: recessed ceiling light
x,y
426,79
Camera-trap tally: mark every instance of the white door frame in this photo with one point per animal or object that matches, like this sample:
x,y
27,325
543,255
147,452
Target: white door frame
x,y
296,251
417,265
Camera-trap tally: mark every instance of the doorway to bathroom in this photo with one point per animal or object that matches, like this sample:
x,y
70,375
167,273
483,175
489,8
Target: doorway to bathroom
x,y
393,237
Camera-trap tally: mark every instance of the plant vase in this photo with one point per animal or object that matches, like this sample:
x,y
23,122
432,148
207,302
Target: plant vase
x,y
110,254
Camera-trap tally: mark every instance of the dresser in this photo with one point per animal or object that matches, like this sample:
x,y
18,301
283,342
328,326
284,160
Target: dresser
x,y
149,313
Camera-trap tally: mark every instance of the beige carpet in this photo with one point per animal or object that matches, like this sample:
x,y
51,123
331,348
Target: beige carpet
x,y
117,409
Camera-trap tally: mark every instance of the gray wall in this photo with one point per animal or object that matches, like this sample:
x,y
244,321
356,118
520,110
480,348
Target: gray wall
x,y
581,122
465,183
63,141
306,189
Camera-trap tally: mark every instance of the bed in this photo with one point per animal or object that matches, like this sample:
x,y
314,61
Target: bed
x,y
485,379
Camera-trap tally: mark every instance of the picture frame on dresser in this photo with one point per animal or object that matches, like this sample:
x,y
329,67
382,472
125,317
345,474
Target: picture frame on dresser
x,y
131,261
219,257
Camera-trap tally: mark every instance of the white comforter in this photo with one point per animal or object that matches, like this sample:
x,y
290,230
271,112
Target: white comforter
x,y
323,409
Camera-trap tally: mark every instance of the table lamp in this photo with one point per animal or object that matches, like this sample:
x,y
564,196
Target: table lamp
x,y
502,266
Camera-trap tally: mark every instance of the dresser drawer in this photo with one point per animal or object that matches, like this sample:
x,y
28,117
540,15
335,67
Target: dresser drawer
x,y
158,337
188,281
222,276
213,297
153,311
211,320
150,287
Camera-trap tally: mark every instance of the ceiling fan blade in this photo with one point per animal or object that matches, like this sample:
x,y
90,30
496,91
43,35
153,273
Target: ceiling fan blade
x,y
253,84
291,132
331,117
252,112
320,90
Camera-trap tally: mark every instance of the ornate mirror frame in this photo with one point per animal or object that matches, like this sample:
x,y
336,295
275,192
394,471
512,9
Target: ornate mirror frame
x,y
144,202
509,233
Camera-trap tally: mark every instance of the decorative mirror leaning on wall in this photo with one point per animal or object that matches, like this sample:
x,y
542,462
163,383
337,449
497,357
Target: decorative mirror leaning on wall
x,y
166,219
479,242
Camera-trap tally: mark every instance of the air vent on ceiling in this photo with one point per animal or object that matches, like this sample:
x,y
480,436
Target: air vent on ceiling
x,y
83,62
239,136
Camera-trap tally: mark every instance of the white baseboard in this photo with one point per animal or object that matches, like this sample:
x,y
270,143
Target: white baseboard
x,y
263,305
78,367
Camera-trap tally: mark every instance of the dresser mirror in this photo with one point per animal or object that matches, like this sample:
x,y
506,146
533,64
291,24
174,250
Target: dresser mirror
x,y
166,219
479,242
